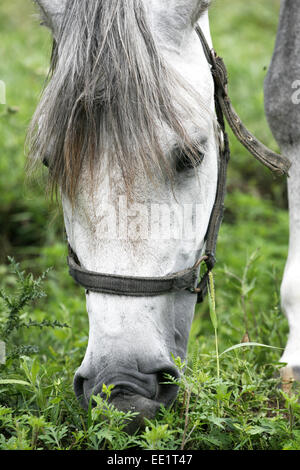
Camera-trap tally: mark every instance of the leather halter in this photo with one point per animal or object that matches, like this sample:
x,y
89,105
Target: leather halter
x,y
188,278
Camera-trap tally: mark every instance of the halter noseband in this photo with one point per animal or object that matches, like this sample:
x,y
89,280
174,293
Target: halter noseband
x,y
188,278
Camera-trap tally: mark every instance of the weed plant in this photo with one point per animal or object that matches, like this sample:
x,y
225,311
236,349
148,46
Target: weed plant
x,y
227,399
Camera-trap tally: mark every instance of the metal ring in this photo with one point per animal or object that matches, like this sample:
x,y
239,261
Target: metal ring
x,y
204,258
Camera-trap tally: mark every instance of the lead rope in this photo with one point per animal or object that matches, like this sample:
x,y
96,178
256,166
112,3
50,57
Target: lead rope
x,y
276,163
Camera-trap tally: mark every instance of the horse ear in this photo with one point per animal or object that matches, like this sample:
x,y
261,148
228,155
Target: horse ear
x,y
198,8
186,12
52,12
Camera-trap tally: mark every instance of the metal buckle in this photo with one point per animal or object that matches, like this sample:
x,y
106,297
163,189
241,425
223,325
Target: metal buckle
x,y
221,138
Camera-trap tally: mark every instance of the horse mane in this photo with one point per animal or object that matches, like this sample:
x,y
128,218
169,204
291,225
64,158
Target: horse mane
x,y
108,92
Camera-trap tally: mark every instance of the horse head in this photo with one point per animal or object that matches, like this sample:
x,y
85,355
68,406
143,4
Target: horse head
x,y
127,126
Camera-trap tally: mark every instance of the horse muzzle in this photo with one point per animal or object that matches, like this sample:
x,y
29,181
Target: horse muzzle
x,y
133,390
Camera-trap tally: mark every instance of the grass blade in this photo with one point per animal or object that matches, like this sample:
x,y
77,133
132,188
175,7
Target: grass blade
x,y
243,345
14,381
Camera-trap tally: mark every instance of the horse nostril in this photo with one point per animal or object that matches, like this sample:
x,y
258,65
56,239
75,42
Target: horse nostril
x,y
79,389
158,386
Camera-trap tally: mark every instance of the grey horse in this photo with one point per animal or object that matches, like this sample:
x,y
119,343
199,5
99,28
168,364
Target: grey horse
x,y
131,96
282,106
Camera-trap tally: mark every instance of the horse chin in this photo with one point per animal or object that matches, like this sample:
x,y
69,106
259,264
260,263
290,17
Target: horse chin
x,y
142,408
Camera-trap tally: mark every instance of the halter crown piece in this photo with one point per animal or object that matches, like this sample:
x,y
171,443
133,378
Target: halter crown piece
x,y
188,279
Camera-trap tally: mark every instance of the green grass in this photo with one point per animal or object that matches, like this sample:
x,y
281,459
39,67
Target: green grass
x,y
232,403
229,400
24,50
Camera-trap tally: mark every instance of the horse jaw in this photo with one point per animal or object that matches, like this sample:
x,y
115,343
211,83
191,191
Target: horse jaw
x,y
52,13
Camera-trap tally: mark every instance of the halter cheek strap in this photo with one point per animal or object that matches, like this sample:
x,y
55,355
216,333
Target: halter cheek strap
x,y
188,279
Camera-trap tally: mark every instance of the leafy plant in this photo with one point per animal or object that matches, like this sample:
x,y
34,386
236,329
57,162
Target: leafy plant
x,y
27,290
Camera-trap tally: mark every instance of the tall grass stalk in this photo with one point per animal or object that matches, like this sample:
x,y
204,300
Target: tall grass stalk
x,y
213,317
214,320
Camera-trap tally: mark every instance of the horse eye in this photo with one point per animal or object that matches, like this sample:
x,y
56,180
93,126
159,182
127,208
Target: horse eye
x,y
185,162
45,162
